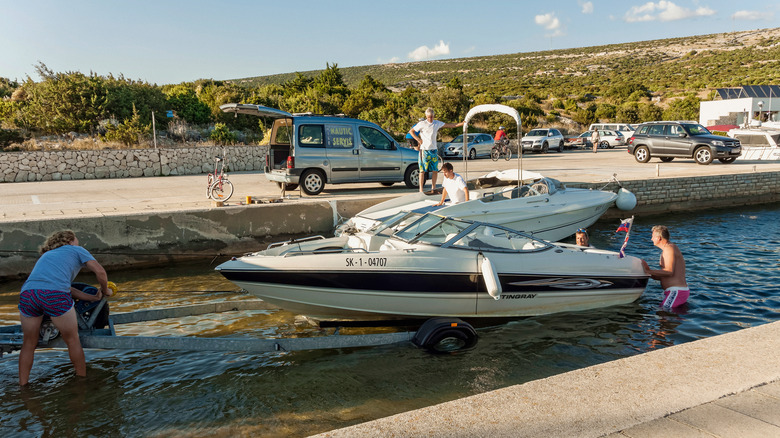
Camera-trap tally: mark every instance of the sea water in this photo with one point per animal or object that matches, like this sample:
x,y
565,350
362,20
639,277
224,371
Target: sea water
x,y
732,258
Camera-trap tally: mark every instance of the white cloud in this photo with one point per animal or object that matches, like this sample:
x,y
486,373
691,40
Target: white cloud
x,y
424,52
550,22
587,7
752,15
664,11
392,60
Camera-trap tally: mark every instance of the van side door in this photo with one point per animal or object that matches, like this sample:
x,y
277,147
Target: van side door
x,y
380,158
343,154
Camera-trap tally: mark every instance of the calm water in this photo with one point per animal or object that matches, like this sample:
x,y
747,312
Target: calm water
x,y
732,258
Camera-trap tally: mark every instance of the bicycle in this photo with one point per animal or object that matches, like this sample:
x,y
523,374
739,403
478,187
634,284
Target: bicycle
x,y
219,187
501,148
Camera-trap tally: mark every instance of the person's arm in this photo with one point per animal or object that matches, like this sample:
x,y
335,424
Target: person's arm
x,y
79,295
453,125
101,276
443,196
667,269
416,137
466,191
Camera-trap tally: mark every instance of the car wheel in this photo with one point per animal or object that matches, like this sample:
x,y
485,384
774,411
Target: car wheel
x,y
412,177
560,147
312,182
667,159
387,184
642,154
545,148
727,160
703,155
472,154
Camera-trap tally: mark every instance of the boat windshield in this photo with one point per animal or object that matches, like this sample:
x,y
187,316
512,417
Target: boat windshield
x,y
490,238
449,232
394,223
544,186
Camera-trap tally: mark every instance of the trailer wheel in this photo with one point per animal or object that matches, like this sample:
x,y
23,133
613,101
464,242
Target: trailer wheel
x,y
445,335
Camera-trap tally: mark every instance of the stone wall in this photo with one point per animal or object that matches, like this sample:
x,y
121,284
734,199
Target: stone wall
x,y
663,195
123,163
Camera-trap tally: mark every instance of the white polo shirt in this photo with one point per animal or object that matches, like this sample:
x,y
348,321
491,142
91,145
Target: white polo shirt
x,y
428,132
454,187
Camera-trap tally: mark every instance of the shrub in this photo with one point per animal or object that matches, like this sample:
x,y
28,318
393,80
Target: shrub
x,y
10,136
221,135
129,132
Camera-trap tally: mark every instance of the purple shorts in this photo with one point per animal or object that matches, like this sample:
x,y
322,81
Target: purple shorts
x,y
36,302
675,296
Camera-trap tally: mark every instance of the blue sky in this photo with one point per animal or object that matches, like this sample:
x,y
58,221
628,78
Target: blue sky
x,y
166,42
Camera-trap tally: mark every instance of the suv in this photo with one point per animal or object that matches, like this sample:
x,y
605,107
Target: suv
x,y
312,150
540,140
668,140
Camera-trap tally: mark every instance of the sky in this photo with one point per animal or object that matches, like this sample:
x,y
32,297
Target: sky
x,y
174,41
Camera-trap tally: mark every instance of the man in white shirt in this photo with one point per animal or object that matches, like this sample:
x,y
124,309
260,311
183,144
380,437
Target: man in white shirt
x,y
429,157
453,185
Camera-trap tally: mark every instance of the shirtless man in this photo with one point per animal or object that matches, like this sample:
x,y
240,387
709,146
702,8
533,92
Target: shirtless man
x,y
672,272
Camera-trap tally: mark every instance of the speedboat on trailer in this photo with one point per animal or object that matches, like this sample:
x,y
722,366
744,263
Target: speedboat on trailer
x,y
413,266
540,206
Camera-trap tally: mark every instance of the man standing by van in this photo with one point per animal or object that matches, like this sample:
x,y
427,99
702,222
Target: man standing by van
x,y
429,156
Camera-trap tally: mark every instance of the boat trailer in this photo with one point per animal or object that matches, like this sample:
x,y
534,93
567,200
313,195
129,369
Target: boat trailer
x,y
436,335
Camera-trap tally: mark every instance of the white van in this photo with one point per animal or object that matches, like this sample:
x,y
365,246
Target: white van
x,y
626,129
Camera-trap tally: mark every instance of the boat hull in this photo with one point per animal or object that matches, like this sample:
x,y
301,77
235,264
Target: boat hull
x,y
399,284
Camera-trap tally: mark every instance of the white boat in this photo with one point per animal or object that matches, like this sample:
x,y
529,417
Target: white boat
x,y
540,206
416,266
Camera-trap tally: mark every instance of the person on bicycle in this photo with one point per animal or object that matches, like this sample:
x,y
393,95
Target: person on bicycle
x,y
500,136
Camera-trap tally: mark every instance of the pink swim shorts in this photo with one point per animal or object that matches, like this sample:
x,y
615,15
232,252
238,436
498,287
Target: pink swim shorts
x,y
37,302
675,296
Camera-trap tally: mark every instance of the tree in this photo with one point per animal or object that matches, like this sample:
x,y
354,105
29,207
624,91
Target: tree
x,y
683,109
183,99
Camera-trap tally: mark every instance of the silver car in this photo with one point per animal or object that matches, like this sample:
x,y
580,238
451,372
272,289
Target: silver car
x,y
480,145
541,140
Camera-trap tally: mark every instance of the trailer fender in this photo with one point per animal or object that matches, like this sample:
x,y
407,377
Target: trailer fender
x,y
445,335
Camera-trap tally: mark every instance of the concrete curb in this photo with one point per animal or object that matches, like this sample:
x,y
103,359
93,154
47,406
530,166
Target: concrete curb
x,y
601,399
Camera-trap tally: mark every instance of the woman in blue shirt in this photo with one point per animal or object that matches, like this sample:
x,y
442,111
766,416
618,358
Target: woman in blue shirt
x,y
47,291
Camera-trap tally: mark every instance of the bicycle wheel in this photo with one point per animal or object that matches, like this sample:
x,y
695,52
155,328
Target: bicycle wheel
x,y
508,155
208,185
221,190
494,154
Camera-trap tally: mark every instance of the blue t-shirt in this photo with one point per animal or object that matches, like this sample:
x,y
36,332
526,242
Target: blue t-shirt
x,y
57,268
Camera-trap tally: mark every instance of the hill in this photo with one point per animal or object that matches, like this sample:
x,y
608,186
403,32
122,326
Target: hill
x,y
664,67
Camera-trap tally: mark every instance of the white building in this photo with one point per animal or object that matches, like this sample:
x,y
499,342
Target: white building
x,y
742,106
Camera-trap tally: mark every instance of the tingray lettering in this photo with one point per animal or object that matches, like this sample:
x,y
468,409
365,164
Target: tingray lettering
x,y
516,296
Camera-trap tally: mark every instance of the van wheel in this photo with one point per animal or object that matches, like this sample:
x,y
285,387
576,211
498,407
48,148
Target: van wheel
x,y
412,177
667,159
703,155
312,182
642,154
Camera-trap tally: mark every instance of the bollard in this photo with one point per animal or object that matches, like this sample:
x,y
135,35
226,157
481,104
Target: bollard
x,y
657,170
248,200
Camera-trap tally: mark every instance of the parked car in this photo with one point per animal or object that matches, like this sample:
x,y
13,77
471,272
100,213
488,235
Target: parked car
x,y
672,139
610,139
312,150
624,128
580,141
479,145
541,140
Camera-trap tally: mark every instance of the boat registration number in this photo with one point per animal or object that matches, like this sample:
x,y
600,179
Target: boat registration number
x,y
356,262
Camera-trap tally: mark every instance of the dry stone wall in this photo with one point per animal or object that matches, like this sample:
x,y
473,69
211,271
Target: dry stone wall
x,y
123,163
